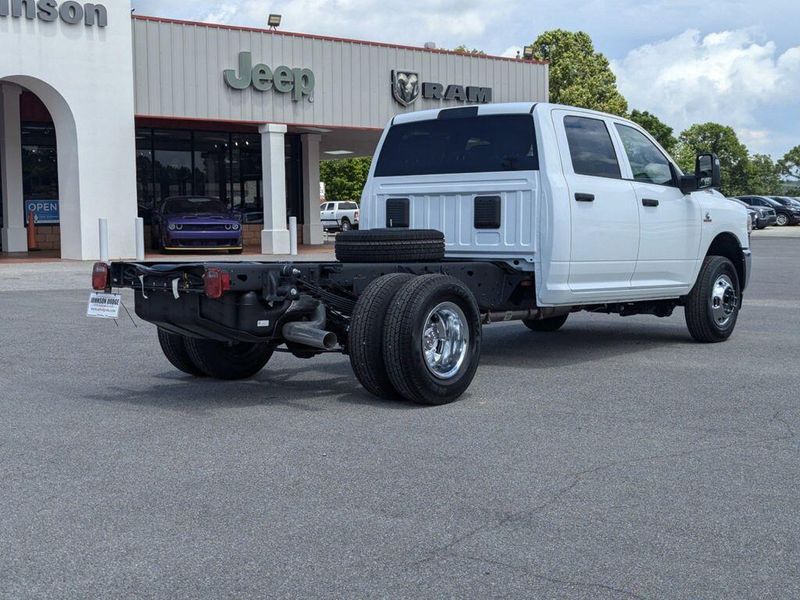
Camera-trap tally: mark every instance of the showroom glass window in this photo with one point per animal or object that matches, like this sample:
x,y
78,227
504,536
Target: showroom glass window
x,y
212,164
39,164
172,161
225,165
246,173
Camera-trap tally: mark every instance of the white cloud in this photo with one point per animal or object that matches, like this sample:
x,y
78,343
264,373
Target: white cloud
x,y
221,14
512,51
729,77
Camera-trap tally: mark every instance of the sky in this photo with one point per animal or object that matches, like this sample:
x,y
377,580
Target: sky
x,y
735,62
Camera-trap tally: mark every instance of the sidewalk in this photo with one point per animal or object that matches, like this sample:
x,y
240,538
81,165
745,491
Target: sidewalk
x,y
19,273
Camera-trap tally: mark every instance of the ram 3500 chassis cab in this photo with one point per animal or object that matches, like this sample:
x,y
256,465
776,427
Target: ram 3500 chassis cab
x,y
470,216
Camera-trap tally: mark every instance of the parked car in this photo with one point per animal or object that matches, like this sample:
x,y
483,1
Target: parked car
x,y
784,215
556,210
751,211
765,215
196,223
339,216
787,201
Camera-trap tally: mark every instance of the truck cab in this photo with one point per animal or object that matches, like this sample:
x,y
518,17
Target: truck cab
x,y
588,201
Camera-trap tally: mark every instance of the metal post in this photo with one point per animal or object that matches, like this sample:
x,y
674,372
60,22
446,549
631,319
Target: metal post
x,y
103,223
293,236
139,238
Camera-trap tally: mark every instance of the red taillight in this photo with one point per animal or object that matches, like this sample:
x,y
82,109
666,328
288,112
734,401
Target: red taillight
x,y
216,282
100,277
357,213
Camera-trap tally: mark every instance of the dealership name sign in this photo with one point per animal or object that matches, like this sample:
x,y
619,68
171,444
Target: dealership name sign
x,y
298,82
406,88
71,13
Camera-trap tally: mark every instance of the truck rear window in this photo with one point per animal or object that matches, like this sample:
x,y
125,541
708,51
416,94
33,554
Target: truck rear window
x,y
465,145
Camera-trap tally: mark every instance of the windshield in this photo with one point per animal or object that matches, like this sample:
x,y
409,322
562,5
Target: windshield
x,y
476,144
191,206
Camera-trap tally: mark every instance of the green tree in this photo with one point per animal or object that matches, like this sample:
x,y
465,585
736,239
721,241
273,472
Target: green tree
x,y
344,179
722,141
656,127
789,165
579,75
464,50
763,175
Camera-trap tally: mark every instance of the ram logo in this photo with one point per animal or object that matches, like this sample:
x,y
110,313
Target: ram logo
x,y
405,86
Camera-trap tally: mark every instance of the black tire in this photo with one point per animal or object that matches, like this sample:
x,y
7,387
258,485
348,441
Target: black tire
x,y
365,343
546,325
222,360
403,349
345,225
782,220
702,312
390,245
174,348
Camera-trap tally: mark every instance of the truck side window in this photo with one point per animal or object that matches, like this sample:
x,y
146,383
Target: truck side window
x,y
590,148
648,164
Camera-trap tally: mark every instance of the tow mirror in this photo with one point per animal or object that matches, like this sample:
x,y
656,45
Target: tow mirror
x,y
706,175
707,171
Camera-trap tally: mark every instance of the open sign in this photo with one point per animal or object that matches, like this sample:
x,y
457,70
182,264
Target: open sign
x,y
45,212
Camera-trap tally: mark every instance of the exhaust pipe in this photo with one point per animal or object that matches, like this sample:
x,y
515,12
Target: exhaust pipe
x,y
311,333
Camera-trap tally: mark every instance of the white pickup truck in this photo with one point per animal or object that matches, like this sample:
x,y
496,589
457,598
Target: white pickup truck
x,y
341,216
470,216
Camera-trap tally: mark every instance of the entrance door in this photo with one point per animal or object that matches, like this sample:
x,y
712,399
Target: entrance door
x,y
604,214
669,219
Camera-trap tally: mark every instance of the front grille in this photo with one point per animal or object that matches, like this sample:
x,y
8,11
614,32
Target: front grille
x,y
209,227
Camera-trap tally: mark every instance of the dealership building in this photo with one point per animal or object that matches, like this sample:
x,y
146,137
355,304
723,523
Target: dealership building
x,y
104,114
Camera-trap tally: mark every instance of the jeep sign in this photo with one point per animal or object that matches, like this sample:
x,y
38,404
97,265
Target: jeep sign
x,y
300,82
70,12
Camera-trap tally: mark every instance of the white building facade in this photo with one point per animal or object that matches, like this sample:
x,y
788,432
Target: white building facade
x,y
104,114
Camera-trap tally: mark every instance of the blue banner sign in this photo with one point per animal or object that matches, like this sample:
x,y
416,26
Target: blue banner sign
x,y
45,212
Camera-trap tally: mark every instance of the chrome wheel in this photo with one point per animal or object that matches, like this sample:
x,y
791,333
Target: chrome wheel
x,y
445,340
724,300
782,220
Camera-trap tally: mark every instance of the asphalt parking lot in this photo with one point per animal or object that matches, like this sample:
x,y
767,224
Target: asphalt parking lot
x,y
613,459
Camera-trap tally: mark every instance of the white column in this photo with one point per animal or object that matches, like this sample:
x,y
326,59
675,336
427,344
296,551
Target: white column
x,y
15,236
275,235
312,226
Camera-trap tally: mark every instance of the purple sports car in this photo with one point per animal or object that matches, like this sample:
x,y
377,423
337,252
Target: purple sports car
x,y
196,223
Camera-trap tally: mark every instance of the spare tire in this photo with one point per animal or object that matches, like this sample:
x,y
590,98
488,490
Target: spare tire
x,y
390,245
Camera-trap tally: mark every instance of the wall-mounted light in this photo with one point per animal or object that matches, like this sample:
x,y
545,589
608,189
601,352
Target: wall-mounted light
x,y
274,21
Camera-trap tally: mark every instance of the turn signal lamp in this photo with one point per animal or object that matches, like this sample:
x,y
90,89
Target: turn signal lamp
x,y
100,278
216,282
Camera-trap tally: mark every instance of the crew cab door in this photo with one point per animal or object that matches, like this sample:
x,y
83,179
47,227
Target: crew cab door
x,y
603,209
327,213
669,220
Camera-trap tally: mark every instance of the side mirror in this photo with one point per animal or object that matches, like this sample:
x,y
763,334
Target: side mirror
x,y
707,172
706,175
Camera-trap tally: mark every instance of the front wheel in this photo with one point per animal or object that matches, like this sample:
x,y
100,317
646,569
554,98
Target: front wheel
x,y
712,307
432,339
228,360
